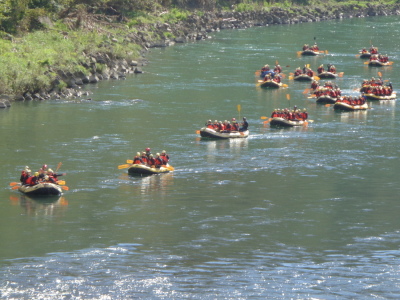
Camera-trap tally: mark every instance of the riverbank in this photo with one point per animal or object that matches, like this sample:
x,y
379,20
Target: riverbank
x,y
121,51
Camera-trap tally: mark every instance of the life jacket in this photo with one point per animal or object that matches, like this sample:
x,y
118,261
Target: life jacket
x,y
31,180
151,161
144,159
158,161
165,158
137,160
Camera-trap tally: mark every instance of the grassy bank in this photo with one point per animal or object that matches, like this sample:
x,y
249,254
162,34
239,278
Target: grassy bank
x,y
47,41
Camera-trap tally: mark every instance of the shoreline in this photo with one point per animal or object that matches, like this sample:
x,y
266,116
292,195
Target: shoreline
x,y
194,28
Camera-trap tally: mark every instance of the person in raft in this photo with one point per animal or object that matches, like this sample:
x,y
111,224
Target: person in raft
x,y
244,124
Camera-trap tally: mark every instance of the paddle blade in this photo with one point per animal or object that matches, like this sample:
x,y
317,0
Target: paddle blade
x,y
257,73
379,74
326,51
283,75
129,161
288,96
306,91
316,78
299,52
357,55
239,107
65,188
14,183
391,63
290,77
124,166
59,166
170,168
366,63
15,187
264,118
61,182
305,124
341,74
198,131
327,105
267,121
285,85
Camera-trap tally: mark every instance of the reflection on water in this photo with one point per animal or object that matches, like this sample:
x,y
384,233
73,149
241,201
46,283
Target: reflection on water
x,y
46,206
157,182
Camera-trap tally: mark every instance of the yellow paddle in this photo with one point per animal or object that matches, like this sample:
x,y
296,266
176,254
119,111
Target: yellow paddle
x,y
15,187
14,183
124,166
65,188
239,108
129,161
58,166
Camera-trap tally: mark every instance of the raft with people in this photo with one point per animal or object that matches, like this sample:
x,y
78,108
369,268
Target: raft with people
x,y
364,53
283,122
144,163
225,130
303,77
212,133
379,60
270,83
349,107
326,99
140,169
371,96
41,189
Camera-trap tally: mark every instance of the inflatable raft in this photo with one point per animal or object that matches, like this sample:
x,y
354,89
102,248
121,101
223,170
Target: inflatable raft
x,y
271,84
281,122
327,75
376,97
303,77
211,133
43,189
146,170
309,52
348,107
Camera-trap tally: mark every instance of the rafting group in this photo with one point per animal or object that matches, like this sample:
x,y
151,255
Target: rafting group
x,y
44,174
148,159
227,126
287,114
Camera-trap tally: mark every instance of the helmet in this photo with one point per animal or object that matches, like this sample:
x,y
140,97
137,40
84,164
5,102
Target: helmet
x,y
46,177
148,149
209,121
166,151
26,168
143,153
151,155
44,167
36,173
157,154
28,171
138,153
233,119
50,170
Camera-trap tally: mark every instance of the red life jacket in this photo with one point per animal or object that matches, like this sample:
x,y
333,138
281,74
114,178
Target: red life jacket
x,y
137,160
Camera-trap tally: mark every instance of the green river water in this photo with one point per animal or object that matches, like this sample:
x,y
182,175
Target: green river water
x,y
302,213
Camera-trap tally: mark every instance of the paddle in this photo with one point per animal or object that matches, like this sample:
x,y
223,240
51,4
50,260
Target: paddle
x,y
316,78
291,77
379,74
239,108
306,91
61,182
264,118
129,161
312,96
288,97
257,73
341,74
15,187
267,121
366,63
284,85
65,188
58,166
198,131
14,183
299,52
124,166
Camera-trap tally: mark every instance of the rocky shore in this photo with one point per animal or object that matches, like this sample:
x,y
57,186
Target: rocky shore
x,y
193,28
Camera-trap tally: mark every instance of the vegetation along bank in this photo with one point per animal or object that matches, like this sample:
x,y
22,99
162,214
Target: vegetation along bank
x,y
48,50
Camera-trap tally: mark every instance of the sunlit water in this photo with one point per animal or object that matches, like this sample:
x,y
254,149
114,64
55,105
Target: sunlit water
x,y
303,213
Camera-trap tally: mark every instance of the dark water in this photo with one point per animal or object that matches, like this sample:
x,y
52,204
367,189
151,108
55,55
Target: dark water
x,y
303,213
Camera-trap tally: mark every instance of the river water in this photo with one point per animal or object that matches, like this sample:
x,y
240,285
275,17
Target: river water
x,y
303,213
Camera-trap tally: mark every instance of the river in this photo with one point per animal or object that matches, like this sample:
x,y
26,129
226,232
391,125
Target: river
x,y
302,213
